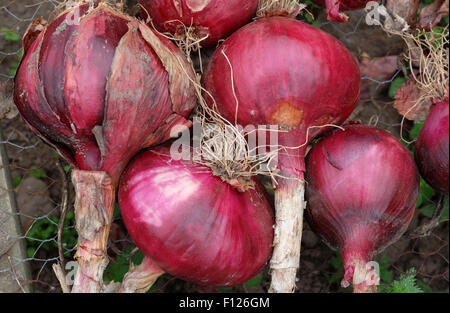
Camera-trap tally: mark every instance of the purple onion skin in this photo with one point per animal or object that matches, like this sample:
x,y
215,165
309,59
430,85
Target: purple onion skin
x,y
191,223
432,148
362,187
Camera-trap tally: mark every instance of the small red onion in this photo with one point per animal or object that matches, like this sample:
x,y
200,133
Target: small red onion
x,y
213,18
362,189
431,152
335,6
192,224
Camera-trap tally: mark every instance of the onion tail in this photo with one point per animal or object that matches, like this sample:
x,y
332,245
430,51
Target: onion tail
x,y
289,208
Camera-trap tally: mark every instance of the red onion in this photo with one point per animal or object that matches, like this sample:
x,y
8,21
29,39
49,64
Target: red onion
x,y
335,6
80,86
432,147
362,189
283,72
213,18
191,223
98,89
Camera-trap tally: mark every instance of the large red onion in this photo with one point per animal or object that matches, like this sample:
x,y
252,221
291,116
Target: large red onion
x,y
279,71
432,147
191,223
335,6
362,189
213,18
98,88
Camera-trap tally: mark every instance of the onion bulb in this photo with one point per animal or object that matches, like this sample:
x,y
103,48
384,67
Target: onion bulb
x,y
362,188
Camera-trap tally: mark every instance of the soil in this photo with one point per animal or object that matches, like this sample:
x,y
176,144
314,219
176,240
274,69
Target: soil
x,y
428,255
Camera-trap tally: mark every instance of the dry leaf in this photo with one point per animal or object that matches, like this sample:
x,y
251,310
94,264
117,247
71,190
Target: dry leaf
x,y
432,14
409,102
376,70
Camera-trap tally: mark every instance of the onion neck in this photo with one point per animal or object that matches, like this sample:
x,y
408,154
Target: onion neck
x,y
358,269
94,207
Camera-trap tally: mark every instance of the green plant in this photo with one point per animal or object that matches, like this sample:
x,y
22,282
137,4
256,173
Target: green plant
x,y
252,282
117,268
407,283
309,17
395,85
43,234
9,34
38,172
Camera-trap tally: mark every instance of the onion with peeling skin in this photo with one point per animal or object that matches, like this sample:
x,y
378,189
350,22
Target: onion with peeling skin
x,y
215,19
280,71
192,224
98,89
432,148
335,6
362,188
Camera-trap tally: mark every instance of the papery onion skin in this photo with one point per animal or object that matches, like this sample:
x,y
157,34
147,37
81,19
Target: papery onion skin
x,y
191,223
285,73
432,148
362,187
98,90
215,18
335,6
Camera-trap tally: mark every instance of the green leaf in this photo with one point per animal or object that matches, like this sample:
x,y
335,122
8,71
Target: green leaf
x,y
137,258
30,252
67,168
426,193
225,289
17,181
12,72
406,284
446,19
386,276
428,210
20,54
116,213
309,18
424,286
338,272
115,272
38,172
255,281
316,23
415,131
336,262
9,35
395,85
